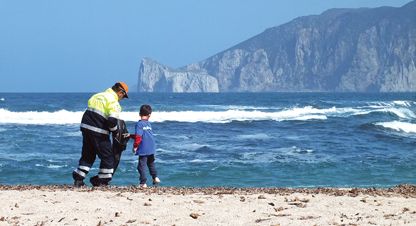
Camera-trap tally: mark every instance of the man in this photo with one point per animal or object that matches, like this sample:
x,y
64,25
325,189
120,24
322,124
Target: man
x,y
98,121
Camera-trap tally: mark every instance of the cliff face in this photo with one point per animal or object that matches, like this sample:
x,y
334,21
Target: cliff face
x,y
339,50
154,77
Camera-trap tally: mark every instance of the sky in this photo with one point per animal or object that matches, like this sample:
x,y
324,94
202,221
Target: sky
x,y
88,45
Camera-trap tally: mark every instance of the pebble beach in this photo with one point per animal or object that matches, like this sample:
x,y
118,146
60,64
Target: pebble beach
x,y
66,205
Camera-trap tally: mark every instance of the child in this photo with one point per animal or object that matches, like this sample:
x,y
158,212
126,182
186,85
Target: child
x,y
144,146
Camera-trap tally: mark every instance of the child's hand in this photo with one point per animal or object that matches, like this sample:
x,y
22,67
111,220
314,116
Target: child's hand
x,y
134,150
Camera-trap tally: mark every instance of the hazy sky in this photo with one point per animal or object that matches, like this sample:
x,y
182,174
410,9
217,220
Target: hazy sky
x,y
87,45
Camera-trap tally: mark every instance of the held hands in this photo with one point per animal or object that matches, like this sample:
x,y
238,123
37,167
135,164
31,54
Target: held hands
x,y
137,140
126,135
135,151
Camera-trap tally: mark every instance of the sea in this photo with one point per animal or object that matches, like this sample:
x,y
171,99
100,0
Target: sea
x,y
223,139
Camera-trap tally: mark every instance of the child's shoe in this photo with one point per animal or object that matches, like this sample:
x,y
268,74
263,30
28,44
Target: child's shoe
x,y
156,180
142,185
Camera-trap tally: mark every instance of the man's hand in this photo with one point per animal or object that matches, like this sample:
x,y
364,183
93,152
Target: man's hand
x,y
125,135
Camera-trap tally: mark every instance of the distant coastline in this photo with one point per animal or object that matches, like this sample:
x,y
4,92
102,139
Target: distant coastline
x,y
358,50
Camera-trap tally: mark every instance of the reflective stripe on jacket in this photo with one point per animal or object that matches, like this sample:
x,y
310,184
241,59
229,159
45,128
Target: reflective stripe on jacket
x,y
102,113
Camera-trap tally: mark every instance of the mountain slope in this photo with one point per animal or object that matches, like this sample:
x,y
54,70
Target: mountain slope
x,y
340,50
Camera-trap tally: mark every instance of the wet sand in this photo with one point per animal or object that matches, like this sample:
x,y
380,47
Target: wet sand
x,y
66,205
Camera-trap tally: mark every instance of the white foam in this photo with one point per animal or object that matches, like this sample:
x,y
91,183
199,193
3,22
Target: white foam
x,y
402,103
202,160
403,113
40,117
73,134
235,107
258,136
2,99
399,112
399,126
296,113
74,117
306,113
192,146
395,103
51,166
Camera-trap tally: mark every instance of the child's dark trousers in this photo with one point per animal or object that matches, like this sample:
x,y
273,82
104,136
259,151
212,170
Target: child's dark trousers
x,y
148,160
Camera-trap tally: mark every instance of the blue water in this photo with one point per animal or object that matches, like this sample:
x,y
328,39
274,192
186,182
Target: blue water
x,y
234,140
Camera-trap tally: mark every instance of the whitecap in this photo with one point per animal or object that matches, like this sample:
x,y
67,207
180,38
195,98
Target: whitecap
x,y
40,117
378,105
51,166
235,107
52,161
202,160
305,113
172,161
192,146
402,103
73,134
258,136
402,112
173,150
399,126
295,113
74,117
295,137
399,112
295,149
2,99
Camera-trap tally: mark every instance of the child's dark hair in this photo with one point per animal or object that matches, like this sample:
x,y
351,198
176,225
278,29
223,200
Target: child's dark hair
x,y
145,110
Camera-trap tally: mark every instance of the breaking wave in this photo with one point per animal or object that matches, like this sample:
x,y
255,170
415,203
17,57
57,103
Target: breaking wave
x,y
399,126
396,108
74,117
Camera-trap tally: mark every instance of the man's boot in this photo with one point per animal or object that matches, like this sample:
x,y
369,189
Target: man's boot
x,y
97,182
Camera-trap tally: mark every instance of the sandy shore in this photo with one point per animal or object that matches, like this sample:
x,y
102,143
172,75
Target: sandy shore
x,y
65,205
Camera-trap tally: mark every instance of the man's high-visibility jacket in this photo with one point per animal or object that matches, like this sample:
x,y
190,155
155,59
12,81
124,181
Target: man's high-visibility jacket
x,y
102,113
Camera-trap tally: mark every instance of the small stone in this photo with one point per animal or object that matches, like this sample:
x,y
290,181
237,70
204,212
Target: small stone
x,y
279,209
261,220
147,204
194,215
